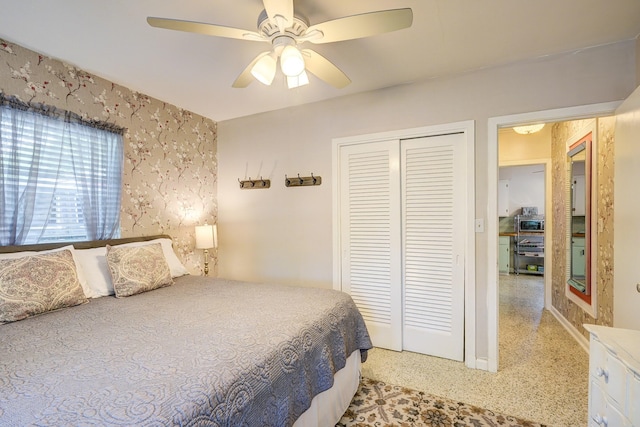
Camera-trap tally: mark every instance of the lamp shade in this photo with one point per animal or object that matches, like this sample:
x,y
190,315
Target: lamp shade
x,y
297,81
265,70
526,130
206,236
291,61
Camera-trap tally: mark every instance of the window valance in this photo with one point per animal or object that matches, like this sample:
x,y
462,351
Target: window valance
x,y
54,112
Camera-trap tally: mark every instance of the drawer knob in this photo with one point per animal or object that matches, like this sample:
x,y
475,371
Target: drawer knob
x,y
600,420
602,373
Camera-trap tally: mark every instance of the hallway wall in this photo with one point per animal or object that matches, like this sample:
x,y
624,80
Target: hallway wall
x,y
603,196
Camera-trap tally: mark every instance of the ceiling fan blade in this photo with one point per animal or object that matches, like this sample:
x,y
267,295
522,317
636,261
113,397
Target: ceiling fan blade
x,y
245,78
202,28
280,12
324,69
364,25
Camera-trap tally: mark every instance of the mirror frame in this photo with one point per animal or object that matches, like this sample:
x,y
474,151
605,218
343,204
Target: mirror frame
x,y
584,144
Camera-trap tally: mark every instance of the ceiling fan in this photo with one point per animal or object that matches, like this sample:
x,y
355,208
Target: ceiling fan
x,y
286,31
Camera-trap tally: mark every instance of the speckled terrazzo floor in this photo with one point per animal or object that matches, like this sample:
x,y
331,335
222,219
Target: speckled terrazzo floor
x,y
542,373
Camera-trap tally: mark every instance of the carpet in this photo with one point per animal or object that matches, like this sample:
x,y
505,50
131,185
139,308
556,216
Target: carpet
x,y
379,404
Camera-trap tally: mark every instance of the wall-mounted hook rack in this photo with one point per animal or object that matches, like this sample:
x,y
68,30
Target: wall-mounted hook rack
x,y
252,184
302,181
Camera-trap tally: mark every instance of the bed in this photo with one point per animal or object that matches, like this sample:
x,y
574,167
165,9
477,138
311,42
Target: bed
x,y
197,351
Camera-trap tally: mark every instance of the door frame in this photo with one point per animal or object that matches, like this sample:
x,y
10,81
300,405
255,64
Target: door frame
x,y
494,123
468,129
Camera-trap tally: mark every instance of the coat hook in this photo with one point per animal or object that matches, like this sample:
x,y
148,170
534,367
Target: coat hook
x,y
260,183
300,179
287,181
314,178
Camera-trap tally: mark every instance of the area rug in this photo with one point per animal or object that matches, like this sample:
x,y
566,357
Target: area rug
x,y
379,404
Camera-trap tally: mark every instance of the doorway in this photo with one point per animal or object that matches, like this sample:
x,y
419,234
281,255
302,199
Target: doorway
x,y
522,196
494,124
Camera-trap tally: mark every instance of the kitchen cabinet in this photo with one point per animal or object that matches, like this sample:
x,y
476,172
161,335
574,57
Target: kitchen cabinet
x,y
578,258
503,197
504,256
614,376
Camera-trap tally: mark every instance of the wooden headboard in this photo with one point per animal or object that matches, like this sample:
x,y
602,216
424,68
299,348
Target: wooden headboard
x,y
79,245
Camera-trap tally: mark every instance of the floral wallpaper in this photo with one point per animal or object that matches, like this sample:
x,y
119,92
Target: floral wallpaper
x,y
603,196
170,170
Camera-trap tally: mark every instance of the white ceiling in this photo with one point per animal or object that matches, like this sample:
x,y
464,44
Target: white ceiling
x,y
111,39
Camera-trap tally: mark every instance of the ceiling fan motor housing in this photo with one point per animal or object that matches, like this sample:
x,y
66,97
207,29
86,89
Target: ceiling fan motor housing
x,y
270,30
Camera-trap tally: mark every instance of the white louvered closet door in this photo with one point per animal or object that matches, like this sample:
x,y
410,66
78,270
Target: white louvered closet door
x,y
402,237
434,209
371,238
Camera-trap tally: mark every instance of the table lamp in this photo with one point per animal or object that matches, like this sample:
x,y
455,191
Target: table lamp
x,y
206,238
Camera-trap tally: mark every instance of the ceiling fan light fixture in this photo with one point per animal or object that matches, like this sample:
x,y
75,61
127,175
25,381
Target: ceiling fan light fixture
x,y
291,61
265,70
297,81
528,129
279,24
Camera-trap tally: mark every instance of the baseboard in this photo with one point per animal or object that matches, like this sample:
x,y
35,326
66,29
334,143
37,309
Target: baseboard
x,y
482,364
584,343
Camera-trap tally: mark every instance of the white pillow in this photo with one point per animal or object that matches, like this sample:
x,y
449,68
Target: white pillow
x,y
79,270
175,266
94,265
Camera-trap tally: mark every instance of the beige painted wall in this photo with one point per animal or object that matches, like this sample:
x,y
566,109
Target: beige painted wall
x,y
515,147
285,234
637,61
169,177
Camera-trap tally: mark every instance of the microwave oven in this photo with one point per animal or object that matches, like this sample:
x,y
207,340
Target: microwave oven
x,y
529,224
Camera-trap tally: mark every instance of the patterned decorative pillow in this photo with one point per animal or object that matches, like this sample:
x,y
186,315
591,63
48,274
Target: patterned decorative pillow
x,y
38,283
137,269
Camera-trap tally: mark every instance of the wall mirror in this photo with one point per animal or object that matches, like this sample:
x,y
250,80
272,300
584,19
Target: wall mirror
x,y
579,224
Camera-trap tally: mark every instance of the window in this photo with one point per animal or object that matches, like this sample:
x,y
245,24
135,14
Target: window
x,y
60,176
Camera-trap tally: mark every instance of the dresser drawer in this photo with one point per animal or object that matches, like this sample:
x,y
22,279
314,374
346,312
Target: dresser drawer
x,y
609,373
603,412
614,376
633,408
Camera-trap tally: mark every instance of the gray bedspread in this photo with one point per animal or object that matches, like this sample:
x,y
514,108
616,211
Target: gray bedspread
x,y
203,352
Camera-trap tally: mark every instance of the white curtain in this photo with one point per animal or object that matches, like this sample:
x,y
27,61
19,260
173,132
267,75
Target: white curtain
x,y
60,175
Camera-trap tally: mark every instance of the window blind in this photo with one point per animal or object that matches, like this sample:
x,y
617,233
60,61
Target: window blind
x,y
61,180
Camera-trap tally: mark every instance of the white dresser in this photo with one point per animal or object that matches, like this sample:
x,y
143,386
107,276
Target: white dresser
x,y
614,377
